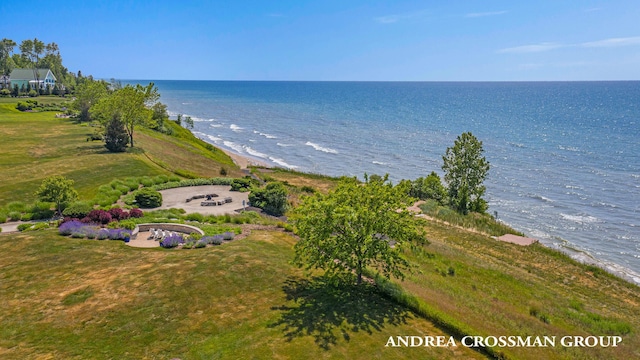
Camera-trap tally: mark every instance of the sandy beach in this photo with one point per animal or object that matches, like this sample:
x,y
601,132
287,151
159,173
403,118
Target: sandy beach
x,y
242,161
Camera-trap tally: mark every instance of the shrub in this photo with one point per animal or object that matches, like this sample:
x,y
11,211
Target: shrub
x,y
146,181
77,235
136,213
77,210
148,198
70,227
160,179
41,210
118,214
194,236
3,218
200,244
118,234
127,224
171,241
100,216
228,236
272,199
5,92
103,234
195,217
213,240
24,217
14,216
18,206
243,184
23,227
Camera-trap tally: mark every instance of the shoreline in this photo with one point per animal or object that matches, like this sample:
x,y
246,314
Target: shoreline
x,y
241,160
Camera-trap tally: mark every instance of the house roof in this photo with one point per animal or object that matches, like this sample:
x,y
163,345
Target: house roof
x,y
27,74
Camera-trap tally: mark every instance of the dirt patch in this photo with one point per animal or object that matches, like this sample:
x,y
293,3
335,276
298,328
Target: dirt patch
x,y
177,198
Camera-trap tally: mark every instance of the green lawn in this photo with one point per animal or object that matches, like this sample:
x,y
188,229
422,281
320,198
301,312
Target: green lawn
x,y
37,145
65,298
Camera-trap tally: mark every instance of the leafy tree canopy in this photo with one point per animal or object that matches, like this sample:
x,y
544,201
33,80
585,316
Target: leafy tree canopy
x,y
131,103
356,226
57,189
465,170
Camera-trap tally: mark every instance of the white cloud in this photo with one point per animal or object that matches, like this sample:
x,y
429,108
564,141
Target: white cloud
x,y
390,19
483,14
613,42
531,48
548,46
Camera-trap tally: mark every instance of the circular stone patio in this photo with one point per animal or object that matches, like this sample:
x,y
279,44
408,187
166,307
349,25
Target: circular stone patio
x,y
177,198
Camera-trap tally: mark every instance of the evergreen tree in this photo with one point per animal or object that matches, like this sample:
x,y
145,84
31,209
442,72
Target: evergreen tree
x,y
115,135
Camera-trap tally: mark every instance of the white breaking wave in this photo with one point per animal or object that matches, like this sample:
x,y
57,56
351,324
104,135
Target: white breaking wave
x,y
235,147
215,125
582,219
236,128
255,153
320,148
284,145
282,163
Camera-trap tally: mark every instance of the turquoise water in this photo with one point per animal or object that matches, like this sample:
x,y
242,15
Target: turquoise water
x,y
565,156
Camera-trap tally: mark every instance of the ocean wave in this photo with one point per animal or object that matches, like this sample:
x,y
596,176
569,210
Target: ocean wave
x,y
581,219
379,162
235,147
215,125
284,145
282,163
268,136
320,148
255,153
542,198
235,128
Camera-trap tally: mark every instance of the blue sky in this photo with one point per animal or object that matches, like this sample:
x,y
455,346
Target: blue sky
x,y
337,40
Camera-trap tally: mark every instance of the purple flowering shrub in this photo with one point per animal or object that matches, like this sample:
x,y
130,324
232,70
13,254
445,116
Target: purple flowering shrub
x,y
79,229
213,240
228,236
171,241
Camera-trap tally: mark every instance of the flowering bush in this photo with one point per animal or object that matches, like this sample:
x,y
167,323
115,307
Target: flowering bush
x,y
213,240
200,244
69,227
171,241
228,236
118,234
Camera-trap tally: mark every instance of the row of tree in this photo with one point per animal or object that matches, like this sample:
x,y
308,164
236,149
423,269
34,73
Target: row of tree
x,y
35,54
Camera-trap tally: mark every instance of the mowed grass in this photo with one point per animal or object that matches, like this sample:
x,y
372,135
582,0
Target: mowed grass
x,y
491,288
65,298
37,145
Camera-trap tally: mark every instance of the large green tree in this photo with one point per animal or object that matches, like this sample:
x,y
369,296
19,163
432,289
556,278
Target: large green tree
x,y
465,170
131,103
57,189
88,94
6,62
354,227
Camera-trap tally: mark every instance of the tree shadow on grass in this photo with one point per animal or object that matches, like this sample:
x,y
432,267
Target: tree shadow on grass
x,y
328,311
